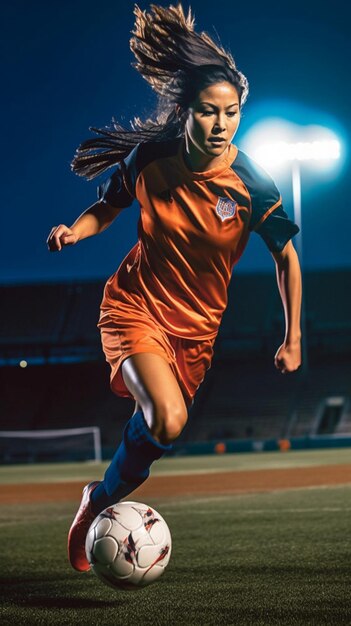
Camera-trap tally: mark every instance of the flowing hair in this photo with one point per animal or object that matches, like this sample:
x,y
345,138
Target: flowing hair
x,y
178,63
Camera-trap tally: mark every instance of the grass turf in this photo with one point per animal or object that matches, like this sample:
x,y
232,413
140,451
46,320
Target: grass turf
x,y
275,558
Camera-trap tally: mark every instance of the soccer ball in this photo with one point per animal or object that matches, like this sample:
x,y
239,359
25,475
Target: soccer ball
x,y
128,545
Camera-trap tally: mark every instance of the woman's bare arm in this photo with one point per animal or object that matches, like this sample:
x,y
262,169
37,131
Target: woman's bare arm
x,y
92,221
288,356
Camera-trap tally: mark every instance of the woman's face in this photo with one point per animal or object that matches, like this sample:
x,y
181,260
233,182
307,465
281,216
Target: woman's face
x,y
213,119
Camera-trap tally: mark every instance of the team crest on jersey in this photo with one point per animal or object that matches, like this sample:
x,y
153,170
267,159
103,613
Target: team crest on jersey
x,y
226,208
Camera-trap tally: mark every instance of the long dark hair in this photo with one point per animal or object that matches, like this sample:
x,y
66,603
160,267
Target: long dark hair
x,y
178,63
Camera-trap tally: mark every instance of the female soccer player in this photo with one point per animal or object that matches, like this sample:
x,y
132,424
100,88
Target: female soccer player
x,y
200,197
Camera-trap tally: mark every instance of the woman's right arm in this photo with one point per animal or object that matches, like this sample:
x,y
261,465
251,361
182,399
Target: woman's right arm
x,y
91,222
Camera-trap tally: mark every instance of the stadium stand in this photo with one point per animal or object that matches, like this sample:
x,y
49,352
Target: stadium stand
x,y
49,322
52,329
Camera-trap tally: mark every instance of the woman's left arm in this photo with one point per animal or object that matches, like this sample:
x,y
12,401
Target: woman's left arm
x,y
288,356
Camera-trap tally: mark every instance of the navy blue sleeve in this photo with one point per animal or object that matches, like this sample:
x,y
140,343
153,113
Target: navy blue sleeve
x,y
268,217
277,229
114,192
119,189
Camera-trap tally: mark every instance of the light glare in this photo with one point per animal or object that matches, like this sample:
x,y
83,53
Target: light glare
x,y
281,151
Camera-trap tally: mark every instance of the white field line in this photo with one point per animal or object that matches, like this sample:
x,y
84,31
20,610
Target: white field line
x,y
264,511
219,470
44,480
244,493
158,471
13,479
154,473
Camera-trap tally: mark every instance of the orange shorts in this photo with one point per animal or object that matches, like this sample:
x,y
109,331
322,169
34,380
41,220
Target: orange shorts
x,y
122,336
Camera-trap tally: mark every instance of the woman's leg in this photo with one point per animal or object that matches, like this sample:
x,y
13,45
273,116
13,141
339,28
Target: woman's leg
x,y
160,417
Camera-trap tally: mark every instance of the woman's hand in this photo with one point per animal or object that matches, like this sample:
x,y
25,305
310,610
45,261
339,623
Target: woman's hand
x,y
288,357
59,237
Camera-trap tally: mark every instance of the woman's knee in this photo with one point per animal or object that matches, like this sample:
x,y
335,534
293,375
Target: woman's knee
x,y
166,420
150,379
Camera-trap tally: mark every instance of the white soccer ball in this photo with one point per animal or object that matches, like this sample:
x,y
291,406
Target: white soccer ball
x,y
128,545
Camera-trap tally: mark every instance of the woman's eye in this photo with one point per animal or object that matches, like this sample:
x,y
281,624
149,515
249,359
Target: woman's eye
x,y
208,113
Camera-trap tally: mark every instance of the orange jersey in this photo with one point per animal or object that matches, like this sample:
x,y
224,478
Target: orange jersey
x,y
193,228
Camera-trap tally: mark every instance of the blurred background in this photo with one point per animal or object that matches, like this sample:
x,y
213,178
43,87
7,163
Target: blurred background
x,y
67,66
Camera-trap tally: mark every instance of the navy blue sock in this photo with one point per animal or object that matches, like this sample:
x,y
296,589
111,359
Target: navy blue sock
x,y
130,465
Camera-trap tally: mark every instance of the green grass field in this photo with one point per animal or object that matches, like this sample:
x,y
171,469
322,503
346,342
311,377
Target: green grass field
x,y
280,557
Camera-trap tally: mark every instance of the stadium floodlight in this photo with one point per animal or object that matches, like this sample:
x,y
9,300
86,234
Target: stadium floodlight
x,y
276,143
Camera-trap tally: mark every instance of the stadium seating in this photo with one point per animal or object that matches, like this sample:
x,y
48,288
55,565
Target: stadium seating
x,y
66,383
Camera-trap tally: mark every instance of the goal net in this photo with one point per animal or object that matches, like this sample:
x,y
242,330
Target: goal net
x,y
34,446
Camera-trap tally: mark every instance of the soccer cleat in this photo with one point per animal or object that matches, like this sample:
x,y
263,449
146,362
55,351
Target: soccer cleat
x,y
79,529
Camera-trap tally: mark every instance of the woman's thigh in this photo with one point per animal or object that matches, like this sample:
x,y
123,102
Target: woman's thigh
x,y
150,380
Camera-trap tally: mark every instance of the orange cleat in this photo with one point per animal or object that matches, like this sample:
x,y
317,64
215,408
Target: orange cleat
x,y
79,529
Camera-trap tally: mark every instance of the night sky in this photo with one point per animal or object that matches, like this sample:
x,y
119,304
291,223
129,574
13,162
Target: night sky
x,y
68,67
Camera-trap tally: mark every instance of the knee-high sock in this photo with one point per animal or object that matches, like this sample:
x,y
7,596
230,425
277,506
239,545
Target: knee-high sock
x,y
130,465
